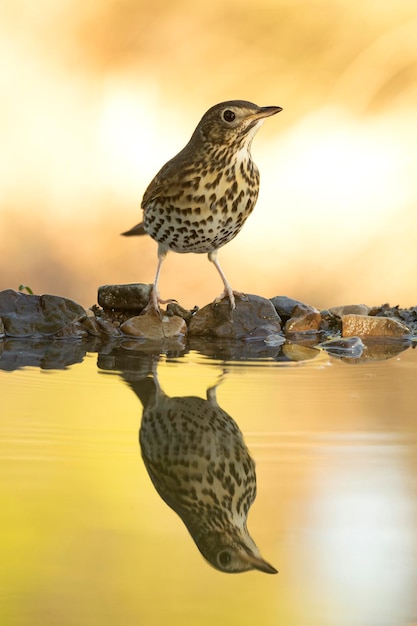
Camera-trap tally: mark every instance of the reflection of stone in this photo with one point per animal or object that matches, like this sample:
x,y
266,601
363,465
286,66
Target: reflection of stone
x,y
198,462
42,353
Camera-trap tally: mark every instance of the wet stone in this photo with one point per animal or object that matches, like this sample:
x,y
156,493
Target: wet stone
x,y
131,297
371,326
254,317
351,347
25,315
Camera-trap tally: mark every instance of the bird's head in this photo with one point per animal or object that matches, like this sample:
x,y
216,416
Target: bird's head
x,y
232,122
233,553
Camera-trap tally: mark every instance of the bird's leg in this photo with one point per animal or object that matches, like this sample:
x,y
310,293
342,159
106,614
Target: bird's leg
x,y
228,291
155,300
212,391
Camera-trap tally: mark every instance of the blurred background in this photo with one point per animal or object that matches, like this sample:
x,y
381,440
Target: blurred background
x,y
98,94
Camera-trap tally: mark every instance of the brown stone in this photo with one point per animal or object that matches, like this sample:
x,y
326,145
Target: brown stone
x,y
304,319
371,326
254,317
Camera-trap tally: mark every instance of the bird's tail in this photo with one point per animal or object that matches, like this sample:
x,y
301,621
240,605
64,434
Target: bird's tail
x,y
136,230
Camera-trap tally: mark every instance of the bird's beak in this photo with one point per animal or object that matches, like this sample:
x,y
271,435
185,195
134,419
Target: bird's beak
x,y
265,112
258,563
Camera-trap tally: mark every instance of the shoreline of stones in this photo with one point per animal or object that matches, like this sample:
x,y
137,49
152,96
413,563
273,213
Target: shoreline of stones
x,y
121,314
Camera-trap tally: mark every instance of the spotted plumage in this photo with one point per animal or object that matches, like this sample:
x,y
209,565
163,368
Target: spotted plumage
x,y
201,198
198,462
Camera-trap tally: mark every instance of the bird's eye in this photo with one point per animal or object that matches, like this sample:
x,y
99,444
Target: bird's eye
x,y
224,558
228,115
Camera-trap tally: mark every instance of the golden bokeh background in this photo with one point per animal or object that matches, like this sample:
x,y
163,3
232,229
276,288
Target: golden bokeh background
x,y
97,95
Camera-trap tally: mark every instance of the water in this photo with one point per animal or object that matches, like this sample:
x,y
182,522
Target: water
x,y
86,539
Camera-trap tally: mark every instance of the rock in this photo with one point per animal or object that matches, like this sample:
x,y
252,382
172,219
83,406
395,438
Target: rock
x,y
370,326
347,309
132,297
254,317
151,326
285,306
72,331
92,326
304,318
25,315
173,308
108,328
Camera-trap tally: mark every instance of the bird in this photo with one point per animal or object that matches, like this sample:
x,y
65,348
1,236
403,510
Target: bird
x,y
200,199
197,460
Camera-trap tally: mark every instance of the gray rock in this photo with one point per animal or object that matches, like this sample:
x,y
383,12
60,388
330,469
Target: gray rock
x,y
25,315
254,317
348,309
285,306
131,297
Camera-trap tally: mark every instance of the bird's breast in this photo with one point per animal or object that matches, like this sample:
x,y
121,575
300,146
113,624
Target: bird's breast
x,y
206,209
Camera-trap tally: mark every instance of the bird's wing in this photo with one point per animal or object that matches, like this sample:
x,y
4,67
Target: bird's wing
x,y
163,184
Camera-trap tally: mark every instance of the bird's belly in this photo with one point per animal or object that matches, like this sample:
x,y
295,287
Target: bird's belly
x,y
201,228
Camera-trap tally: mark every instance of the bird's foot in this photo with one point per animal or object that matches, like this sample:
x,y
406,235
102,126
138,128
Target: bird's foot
x,y
231,295
153,305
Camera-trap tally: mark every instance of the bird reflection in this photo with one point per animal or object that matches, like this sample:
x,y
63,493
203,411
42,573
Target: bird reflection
x,y
198,462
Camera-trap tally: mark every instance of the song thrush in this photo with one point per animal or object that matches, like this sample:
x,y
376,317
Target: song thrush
x,y
201,198
198,462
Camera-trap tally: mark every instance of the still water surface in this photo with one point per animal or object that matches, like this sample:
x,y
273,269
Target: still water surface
x,y
86,539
